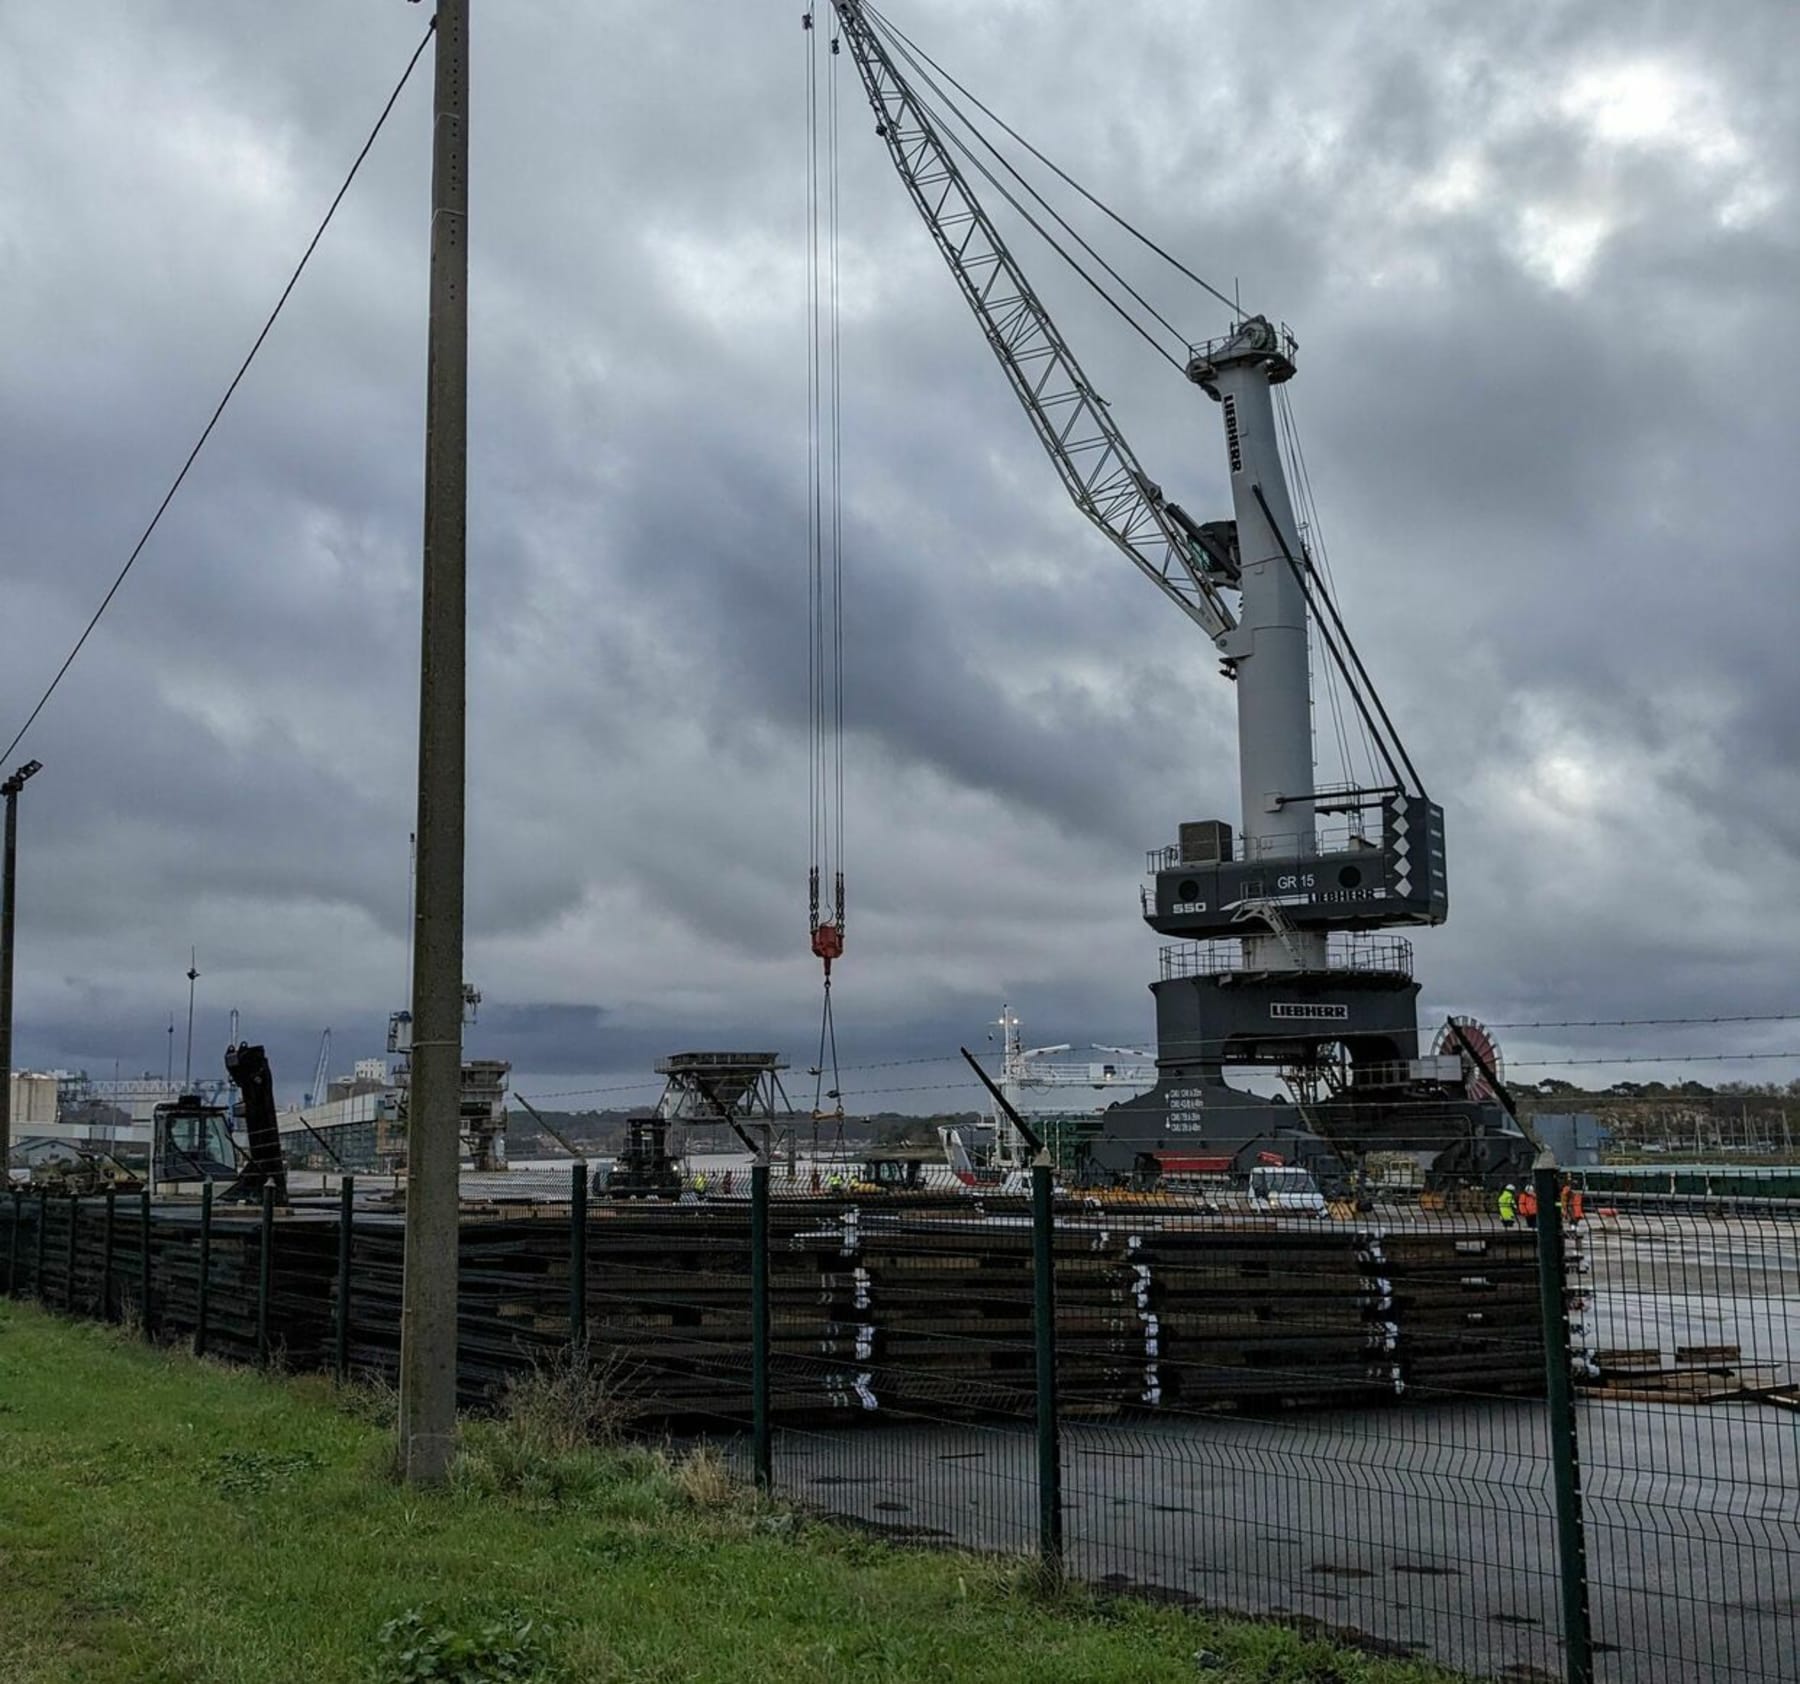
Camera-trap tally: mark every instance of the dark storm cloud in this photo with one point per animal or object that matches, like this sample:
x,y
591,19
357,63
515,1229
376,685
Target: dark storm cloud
x,y
1540,258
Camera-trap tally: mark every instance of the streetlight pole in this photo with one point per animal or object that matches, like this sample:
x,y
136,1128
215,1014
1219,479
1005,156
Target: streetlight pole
x,y
433,1123
8,911
193,976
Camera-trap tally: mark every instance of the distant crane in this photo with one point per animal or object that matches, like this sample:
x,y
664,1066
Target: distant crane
x,y
321,1072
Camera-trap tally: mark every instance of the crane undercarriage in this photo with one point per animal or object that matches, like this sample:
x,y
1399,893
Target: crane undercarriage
x,y
1346,1041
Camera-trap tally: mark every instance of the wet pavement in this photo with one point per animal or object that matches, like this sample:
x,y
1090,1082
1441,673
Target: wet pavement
x,y
1421,1531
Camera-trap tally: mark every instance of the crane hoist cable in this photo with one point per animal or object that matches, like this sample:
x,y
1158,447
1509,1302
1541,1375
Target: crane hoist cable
x,y
825,549
1359,761
945,115
950,118
1319,673
915,54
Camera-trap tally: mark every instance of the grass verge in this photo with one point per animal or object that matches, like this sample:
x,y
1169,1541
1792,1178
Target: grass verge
x,y
166,1521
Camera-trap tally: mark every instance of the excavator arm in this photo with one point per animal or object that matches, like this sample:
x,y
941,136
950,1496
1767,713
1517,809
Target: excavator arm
x,y
1091,455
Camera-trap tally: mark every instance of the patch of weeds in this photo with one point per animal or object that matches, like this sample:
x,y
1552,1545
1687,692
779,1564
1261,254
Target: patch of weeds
x,y
249,1473
372,1399
705,1480
121,1462
1275,1656
418,1648
569,1399
498,1463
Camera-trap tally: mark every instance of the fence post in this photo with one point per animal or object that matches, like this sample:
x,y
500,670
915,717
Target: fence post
x,y
1049,1439
144,1241
12,1243
108,1235
762,1442
69,1270
346,1231
578,1238
37,1279
265,1272
200,1297
1565,1455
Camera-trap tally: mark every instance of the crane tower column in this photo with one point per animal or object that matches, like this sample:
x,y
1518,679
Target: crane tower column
x,y
1268,646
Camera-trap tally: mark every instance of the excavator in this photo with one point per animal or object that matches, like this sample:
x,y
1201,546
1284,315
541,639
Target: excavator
x,y
193,1141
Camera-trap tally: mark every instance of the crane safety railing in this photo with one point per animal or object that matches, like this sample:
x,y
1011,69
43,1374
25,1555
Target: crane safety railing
x,y
1367,955
1324,840
1209,350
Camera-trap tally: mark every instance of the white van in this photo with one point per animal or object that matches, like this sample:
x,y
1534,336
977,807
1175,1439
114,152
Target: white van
x,y
1286,1187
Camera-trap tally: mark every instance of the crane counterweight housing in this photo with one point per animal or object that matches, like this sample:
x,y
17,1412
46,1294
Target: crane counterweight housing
x,y
1283,966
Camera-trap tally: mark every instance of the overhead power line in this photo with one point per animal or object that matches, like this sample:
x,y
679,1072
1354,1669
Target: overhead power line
x,y
1648,1022
1189,1046
200,444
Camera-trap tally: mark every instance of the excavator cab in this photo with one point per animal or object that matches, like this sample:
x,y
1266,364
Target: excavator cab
x,y
191,1141
891,1175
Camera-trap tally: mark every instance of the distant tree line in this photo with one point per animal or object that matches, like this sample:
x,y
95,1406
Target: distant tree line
x,y
1693,1119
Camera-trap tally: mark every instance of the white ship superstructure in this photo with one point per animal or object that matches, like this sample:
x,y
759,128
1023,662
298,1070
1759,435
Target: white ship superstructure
x,y
1061,1087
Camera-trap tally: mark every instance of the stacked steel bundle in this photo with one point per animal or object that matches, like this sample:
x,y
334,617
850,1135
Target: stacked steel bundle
x,y
947,1314
1261,1315
880,1308
1465,1307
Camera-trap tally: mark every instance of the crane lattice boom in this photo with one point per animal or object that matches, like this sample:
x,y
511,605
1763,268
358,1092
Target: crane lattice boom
x,y
1097,466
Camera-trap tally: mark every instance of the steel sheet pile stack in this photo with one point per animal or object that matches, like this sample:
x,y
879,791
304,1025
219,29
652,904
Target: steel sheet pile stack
x,y
512,1297
891,1307
944,1314
667,1305
1259,1315
1465,1306
299,1325
231,1272
1172,1314
669,1308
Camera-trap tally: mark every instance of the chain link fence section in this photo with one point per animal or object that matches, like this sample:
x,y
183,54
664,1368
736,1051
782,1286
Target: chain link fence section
x,y
1689,1379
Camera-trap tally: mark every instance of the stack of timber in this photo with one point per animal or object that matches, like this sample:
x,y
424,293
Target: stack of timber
x,y
1697,1374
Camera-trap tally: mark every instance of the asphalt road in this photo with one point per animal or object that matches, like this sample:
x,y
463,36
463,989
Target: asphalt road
x,y
1422,1531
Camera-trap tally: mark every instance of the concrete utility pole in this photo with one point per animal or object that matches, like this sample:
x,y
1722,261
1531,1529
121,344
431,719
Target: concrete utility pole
x,y
10,789
428,1298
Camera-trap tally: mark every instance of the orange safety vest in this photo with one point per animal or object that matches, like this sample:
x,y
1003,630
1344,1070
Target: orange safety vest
x,y
1528,1202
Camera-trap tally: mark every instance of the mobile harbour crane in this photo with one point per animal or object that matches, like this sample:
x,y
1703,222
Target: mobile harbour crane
x,y
1276,960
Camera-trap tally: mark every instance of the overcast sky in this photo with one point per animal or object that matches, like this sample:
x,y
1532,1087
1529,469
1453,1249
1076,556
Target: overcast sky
x,y
1541,259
